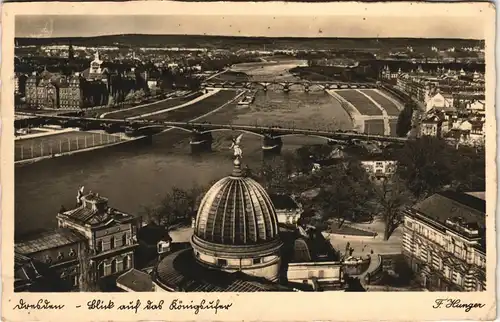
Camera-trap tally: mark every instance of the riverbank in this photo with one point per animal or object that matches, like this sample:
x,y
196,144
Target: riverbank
x,y
42,132
64,143
114,110
209,93
93,148
135,176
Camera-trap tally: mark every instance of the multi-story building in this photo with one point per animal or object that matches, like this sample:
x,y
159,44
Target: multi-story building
x,y
71,92
92,245
61,251
53,91
379,168
444,241
432,125
439,101
110,234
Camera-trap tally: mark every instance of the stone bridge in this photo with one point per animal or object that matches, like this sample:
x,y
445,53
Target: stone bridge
x,y
201,132
288,85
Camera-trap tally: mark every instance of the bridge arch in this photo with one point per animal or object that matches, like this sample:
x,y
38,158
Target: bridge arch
x,y
155,126
302,134
233,130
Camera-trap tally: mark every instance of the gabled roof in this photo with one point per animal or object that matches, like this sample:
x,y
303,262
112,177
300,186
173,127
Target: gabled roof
x,y
47,240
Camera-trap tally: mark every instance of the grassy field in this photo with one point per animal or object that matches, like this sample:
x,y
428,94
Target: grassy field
x,y
199,108
154,107
60,143
374,127
348,230
361,102
387,104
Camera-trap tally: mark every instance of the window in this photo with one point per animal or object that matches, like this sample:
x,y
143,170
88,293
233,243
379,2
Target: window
x,y
60,256
114,266
100,269
126,260
48,259
124,240
99,246
221,262
112,242
256,261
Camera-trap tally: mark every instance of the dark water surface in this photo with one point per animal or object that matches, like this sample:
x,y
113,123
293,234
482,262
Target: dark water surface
x,y
132,176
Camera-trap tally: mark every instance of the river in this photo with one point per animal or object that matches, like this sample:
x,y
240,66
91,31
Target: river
x,y
135,176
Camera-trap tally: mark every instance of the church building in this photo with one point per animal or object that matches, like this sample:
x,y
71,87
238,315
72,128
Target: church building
x,y
238,245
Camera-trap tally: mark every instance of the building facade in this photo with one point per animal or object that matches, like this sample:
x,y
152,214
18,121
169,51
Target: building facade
x,y
379,168
60,250
92,243
110,234
431,126
53,91
444,242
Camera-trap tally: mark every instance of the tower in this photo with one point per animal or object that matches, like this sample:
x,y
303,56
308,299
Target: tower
x,y
71,52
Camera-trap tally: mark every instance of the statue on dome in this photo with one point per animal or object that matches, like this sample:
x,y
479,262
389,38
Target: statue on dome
x,y
235,146
79,196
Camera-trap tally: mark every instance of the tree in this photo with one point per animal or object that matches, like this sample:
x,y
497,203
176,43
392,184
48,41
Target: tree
x,y
403,125
176,205
424,164
273,176
390,197
345,192
468,170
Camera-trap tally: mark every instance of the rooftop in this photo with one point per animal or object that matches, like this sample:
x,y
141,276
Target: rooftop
x,y
135,281
180,272
461,212
444,205
47,240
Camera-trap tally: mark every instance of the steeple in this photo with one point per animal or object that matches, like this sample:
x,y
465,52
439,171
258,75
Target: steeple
x,y
71,52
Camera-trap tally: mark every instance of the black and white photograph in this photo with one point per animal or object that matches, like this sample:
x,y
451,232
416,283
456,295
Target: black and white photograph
x,y
251,153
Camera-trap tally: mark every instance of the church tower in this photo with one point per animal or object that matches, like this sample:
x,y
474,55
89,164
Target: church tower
x,y
71,51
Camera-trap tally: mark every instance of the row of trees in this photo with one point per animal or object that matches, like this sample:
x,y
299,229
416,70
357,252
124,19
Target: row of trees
x,y
178,205
343,190
403,126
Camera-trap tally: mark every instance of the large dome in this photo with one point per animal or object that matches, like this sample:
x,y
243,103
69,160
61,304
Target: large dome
x,y
236,211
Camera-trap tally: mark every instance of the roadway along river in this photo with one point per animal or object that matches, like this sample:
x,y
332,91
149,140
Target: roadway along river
x,y
135,176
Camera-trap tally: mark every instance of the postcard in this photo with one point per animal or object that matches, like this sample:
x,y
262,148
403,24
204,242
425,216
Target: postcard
x,y
248,161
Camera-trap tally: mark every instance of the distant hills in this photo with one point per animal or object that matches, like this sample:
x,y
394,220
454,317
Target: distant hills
x,y
202,41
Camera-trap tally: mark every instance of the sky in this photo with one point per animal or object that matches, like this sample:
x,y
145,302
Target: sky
x,y
240,25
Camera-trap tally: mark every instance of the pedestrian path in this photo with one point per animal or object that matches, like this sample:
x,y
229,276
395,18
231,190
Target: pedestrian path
x,y
45,132
199,98
169,96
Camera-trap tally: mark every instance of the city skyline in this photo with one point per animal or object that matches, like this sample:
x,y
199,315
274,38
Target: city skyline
x,y
57,26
